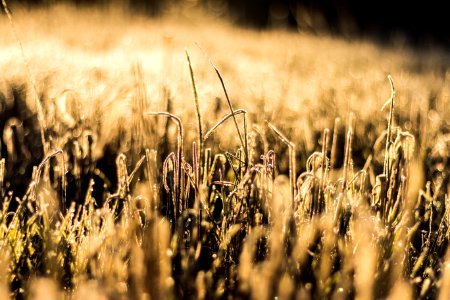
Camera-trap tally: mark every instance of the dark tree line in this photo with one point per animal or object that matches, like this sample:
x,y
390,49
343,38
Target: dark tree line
x,y
419,20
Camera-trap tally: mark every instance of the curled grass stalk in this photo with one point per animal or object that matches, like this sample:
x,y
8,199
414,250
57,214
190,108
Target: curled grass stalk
x,y
166,168
223,120
38,172
189,171
361,174
179,158
311,161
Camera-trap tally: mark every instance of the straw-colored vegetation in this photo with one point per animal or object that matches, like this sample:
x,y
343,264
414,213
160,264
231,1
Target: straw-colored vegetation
x,y
254,165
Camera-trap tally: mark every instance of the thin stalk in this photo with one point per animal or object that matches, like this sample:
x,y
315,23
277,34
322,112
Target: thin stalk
x,y
292,163
2,176
348,148
199,116
232,113
391,101
195,166
151,170
217,157
136,168
246,141
206,165
334,143
123,188
324,162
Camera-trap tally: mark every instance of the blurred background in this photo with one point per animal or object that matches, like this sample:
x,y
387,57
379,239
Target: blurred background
x,y
414,22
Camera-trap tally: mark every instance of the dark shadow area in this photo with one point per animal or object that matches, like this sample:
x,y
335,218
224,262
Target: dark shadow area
x,y
417,23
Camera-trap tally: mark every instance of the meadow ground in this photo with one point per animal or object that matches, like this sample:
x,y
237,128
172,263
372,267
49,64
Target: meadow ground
x,y
308,190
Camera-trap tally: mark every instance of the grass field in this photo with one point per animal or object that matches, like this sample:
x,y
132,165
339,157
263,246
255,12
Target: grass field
x,y
183,157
